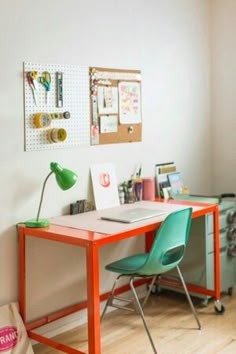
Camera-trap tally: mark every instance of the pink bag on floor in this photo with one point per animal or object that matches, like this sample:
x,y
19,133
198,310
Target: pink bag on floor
x,y
13,335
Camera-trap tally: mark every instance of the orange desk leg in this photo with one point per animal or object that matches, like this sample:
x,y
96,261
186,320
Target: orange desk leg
x,y
149,238
94,334
22,274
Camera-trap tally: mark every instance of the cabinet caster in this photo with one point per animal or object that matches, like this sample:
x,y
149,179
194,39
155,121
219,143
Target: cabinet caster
x,y
219,307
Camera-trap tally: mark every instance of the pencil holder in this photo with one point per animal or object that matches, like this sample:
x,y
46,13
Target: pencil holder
x,y
149,188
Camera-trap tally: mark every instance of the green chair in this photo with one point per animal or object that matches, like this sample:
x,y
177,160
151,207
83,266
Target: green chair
x,y
166,253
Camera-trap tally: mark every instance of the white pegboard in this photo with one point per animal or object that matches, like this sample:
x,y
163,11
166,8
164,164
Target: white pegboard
x,y
75,100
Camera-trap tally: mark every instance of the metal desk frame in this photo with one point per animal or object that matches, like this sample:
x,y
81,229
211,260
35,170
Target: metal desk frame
x,y
91,242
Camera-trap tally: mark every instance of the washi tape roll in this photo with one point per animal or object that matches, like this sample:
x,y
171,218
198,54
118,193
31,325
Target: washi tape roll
x,y
56,135
42,120
55,115
65,115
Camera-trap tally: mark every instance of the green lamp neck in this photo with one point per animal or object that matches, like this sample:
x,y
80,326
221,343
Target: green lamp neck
x,y
41,198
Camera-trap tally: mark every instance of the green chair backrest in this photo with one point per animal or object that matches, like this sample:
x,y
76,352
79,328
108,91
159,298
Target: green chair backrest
x,y
169,244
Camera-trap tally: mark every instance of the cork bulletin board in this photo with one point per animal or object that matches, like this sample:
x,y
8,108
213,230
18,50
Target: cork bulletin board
x,y
115,106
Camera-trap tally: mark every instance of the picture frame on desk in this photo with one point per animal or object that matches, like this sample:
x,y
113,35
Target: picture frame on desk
x,y
175,181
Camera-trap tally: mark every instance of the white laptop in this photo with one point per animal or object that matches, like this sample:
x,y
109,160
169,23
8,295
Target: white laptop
x,y
130,215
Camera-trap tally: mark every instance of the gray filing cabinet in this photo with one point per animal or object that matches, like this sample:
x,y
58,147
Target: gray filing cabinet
x,y
198,263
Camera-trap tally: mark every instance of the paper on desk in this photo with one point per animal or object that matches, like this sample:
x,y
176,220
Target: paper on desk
x,y
91,221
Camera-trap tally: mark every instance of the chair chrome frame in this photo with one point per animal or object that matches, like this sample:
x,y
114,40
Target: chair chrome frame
x,y
135,301
138,307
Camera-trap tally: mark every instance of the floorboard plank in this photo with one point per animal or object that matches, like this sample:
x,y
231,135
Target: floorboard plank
x,y
171,324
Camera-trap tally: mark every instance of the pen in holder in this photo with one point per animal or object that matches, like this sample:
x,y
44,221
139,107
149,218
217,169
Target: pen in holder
x,y
130,198
138,189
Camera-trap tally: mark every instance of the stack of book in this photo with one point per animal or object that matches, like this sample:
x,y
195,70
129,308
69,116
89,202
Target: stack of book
x,y
168,180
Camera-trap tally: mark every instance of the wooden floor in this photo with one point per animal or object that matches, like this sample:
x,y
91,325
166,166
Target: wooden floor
x,y
171,324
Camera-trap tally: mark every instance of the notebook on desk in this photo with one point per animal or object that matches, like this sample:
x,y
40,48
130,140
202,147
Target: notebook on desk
x,y
131,215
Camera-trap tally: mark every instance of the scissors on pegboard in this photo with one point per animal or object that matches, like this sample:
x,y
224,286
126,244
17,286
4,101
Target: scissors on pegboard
x,y
45,80
32,81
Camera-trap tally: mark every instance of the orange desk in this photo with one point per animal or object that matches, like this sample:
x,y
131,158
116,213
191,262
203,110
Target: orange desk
x,y
91,242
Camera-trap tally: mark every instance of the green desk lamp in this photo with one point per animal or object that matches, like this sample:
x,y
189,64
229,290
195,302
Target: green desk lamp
x,y
65,179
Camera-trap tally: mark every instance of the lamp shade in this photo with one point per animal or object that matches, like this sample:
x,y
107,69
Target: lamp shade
x,y
65,180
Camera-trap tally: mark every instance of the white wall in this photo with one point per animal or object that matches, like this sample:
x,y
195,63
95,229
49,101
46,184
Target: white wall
x,y
169,42
224,95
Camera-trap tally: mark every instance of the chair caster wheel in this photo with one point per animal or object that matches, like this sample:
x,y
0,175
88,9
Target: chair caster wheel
x,y
204,302
153,290
219,307
158,290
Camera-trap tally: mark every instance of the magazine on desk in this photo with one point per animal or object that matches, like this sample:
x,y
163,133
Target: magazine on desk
x,y
162,183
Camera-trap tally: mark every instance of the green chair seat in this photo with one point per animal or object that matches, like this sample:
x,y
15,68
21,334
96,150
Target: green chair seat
x,y
128,265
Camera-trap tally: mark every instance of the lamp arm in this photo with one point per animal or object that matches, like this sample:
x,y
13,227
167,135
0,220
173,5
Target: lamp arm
x,y
41,198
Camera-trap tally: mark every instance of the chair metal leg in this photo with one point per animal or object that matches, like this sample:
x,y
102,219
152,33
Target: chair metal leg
x,y
141,313
109,300
149,290
189,298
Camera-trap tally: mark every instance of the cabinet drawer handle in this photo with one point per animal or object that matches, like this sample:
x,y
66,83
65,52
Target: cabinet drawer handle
x,y
231,217
231,234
